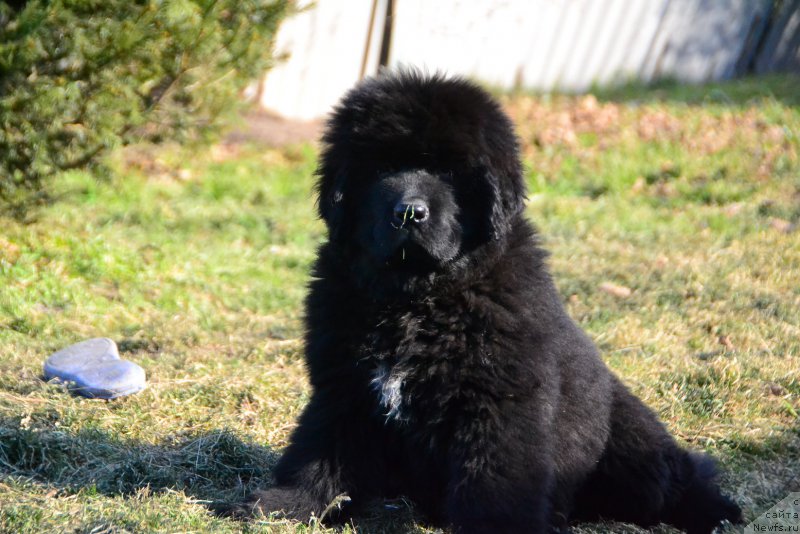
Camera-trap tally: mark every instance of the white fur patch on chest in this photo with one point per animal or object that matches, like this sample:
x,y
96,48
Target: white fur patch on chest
x,y
388,384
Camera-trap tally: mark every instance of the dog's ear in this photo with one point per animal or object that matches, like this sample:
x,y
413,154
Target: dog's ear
x,y
504,203
330,201
498,218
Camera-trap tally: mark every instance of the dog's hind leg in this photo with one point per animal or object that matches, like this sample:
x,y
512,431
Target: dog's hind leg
x,y
644,477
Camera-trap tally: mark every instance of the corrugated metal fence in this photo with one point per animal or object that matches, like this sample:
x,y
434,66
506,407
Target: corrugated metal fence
x,y
566,45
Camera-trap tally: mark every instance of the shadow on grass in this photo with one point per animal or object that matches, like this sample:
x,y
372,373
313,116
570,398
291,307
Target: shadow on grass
x,y
211,466
763,471
217,468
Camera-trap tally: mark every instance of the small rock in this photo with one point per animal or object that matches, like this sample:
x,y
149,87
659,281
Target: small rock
x,y
615,290
781,225
775,389
733,209
9,252
94,369
708,355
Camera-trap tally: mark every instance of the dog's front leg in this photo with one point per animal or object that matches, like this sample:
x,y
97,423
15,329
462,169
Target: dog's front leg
x,y
320,469
501,475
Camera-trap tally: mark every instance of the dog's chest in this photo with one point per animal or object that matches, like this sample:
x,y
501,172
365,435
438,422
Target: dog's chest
x,y
387,382
422,357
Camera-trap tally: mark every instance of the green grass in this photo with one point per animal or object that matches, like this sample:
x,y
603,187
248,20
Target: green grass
x,y
197,266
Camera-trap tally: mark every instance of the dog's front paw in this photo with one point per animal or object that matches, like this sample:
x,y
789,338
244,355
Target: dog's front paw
x,y
287,502
284,502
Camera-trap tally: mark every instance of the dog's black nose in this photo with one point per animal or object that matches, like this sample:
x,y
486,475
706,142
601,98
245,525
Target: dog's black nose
x,y
413,211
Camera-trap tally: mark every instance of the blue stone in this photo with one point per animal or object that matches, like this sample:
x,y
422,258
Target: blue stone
x,y
94,369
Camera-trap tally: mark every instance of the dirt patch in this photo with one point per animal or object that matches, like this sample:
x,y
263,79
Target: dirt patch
x,y
272,130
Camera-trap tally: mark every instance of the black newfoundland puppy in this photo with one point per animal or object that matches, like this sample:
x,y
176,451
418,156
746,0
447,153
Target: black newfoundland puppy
x,y
443,365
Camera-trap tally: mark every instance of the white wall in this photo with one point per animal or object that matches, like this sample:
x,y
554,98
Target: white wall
x,y
565,45
325,45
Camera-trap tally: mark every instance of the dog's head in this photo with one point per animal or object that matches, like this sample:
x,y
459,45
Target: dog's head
x,y
417,173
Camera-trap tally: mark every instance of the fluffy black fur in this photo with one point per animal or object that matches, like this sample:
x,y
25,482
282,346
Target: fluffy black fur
x,y
443,365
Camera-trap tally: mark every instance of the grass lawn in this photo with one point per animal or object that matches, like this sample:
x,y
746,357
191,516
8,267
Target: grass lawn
x,y
672,215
